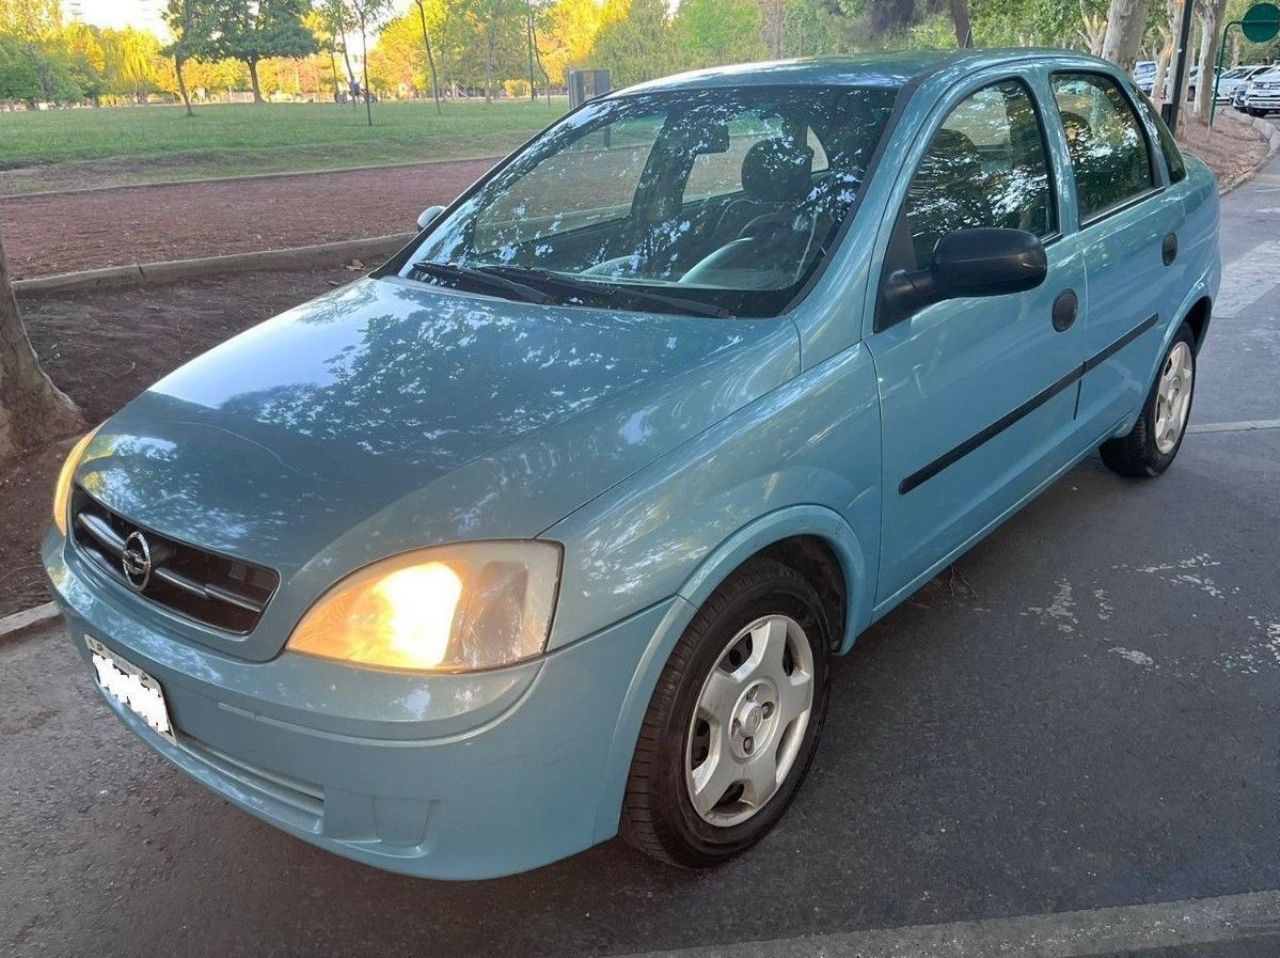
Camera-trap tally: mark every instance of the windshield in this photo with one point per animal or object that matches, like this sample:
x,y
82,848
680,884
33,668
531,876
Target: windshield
x,y
711,202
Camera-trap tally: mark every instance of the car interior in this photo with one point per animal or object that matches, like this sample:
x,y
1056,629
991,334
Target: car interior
x,y
732,192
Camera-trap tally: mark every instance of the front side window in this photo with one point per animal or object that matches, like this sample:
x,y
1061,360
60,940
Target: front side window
x,y
1109,153
985,167
716,201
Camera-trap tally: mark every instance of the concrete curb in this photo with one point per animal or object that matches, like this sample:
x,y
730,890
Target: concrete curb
x,y
325,171
27,618
1271,133
372,248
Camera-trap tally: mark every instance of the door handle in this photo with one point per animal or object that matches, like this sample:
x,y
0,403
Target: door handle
x,y
1066,307
1169,248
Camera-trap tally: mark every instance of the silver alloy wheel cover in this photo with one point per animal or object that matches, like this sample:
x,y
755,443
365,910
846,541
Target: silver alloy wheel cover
x,y
757,716
1173,396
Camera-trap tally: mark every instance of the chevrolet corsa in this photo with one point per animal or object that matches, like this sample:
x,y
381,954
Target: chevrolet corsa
x,y
548,529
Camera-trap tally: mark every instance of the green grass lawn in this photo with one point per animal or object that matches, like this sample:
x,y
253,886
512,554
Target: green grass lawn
x,y
67,148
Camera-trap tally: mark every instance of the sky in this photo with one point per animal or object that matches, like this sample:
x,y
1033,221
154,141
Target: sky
x,y
117,13
145,14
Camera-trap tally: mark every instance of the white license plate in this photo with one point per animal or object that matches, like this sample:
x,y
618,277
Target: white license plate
x,y
131,687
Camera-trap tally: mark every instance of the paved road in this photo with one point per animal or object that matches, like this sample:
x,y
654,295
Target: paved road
x,y
1081,716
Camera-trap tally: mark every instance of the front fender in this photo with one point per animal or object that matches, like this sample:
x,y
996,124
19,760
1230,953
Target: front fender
x,y
781,524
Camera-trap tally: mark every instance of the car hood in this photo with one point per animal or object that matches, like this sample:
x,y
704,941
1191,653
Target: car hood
x,y
389,415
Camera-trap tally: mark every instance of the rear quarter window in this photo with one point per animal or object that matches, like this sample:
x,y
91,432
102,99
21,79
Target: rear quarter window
x,y
1159,131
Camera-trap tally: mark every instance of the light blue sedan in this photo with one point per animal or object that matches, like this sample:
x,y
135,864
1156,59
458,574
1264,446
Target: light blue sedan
x,y
548,530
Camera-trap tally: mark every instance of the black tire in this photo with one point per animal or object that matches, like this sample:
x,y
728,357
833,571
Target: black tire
x,y
1255,112
658,816
1135,455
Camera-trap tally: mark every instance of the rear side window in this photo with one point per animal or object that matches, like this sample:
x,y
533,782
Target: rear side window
x,y
1109,153
986,166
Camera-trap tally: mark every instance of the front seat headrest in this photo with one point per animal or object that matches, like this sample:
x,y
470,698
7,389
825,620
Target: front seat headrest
x,y
778,170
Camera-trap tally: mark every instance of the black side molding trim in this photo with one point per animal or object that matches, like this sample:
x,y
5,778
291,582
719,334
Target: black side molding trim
x,y
921,476
1096,360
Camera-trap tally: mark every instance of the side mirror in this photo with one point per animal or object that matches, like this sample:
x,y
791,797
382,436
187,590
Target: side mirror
x,y
977,262
427,216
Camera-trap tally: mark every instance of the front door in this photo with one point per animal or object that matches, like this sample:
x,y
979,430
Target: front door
x,y
977,395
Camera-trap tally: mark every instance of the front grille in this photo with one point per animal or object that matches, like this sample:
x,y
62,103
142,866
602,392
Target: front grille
x,y
212,589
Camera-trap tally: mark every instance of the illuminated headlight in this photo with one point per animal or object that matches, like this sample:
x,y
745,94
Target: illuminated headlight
x,y
454,608
62,489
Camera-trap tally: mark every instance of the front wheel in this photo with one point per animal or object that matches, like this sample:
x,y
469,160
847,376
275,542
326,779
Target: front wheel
x,y
1154,441
734,721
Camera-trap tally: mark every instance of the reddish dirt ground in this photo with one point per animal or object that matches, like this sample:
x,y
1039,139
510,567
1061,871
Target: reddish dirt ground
x,y
61,232
102,362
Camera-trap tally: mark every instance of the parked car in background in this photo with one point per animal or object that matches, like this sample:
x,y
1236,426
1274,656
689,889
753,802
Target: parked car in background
x,y
1144,75
549,528
1193,81
1262,95
1238,78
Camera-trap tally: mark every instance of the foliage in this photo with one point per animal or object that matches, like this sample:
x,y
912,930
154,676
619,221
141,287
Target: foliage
x,y
310,49
711,32
635,41
253,30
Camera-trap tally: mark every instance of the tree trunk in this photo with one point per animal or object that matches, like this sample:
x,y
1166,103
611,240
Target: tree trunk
x,y
528,31
960,18
333,64
364,67
537,58
1126,23
431,57
1162,73
1211,27
253,81
491,43
32,409
182,84
1094,29
351,73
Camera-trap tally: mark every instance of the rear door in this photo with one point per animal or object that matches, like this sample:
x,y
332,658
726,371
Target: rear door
x,y
1129,222
976,395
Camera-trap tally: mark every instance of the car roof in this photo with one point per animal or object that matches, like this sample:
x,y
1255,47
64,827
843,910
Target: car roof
x,y
871,69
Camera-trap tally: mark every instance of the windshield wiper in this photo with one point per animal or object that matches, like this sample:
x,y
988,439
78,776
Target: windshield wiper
x,y
593,288
484,278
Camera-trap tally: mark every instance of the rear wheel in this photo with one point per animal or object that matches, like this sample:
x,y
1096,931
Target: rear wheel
x,y
734,721
1154,441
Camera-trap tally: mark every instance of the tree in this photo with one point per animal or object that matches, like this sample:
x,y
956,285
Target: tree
x,y
1126,26
398,61
715,32
252,30
1210,37
569,37
88,62
431,59
893,16
30,18
18,77
637,45
367,14
32,409
1093,27
192,31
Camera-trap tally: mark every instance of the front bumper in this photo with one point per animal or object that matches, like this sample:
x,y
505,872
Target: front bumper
x,y
450,776
1270,100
